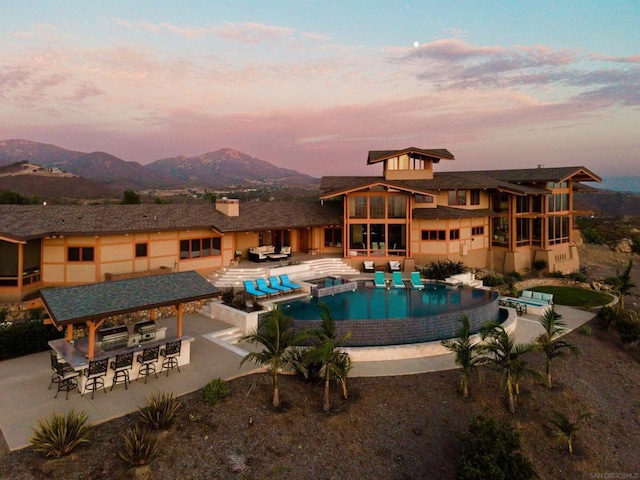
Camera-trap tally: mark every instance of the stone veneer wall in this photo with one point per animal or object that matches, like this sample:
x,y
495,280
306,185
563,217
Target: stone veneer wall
x,y
399,331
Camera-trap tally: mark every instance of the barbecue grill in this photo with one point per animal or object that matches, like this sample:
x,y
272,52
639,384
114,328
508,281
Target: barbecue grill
x,y
147,330
114,337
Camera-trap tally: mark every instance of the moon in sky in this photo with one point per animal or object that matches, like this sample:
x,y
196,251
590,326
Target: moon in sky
x,y
416,44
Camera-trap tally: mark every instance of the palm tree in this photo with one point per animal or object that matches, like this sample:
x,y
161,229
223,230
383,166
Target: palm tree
x,y
622,283
467,353
566,428
326,350
276,335
501,351
550,343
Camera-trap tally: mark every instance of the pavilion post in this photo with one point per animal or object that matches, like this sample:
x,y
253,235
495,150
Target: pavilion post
x,y
93,326
179,322
68,336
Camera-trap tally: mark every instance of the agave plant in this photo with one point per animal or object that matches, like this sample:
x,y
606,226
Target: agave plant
x,y
159,410
140,446
61,434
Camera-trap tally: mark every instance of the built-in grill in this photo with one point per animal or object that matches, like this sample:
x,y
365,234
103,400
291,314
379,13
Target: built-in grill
x,y
147,330
114,337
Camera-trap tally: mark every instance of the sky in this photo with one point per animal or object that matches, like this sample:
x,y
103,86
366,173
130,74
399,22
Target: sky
x,y
315,85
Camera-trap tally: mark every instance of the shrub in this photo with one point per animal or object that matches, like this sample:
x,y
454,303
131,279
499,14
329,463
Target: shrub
x,y
140,446
490,450
239,302
159,410
591,235
540,265
586,330
515,275
493,281
578,277
228,296
628,326
441,269
214,391
607,317
24,338
61,434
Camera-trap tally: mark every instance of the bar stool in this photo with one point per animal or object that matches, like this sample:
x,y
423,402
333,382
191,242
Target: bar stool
x,y
171,352
121,366
66,378
95,376
147,361
55,362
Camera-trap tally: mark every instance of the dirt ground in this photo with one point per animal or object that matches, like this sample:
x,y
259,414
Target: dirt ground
x,y
403,427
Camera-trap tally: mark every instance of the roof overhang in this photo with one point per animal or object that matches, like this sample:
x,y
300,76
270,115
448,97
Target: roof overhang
x,y
386,184
434,155
85,303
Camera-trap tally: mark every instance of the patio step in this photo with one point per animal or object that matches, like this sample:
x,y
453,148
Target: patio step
x,y
227,338
330,266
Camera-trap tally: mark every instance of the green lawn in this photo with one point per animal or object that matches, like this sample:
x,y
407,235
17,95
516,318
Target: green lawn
x,y
575,297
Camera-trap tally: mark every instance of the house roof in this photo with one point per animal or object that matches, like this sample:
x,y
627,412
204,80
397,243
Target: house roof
x,y
530,181
82,303
442,212
435,154
25,222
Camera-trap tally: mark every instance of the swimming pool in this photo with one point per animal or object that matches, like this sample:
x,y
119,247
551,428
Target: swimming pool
x,y
378,316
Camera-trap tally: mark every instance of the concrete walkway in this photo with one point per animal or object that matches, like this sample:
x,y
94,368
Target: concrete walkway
x,y
24,397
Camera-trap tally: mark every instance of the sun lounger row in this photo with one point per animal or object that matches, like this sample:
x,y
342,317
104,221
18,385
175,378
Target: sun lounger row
x,y
276,286
397,282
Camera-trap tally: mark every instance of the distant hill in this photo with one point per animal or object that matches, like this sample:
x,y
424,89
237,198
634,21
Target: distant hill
x,y
61,188
607,203
227,167
621,184
222,168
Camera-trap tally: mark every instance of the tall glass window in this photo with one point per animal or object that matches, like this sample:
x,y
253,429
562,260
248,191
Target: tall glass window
x,y
397,206
376,207
358,207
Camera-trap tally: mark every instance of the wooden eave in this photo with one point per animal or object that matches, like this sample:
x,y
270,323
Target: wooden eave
x,y
382,183
436,155
582,175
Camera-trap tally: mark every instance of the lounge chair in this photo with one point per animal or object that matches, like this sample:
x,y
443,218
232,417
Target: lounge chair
x,y
394,266
285,282
262,286
275,283
251,289
416,281
379,280
369,266
397,280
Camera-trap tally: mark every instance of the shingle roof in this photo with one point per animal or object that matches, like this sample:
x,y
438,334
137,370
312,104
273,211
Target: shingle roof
x,y
99,300
449,212
517,181
24,222
376,156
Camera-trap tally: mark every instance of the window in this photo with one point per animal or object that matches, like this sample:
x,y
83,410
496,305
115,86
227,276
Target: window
x,y
559,202
457,197
558,230
474,197
397,206
423,198
522,204
434,235
80,254
475,231
500,203
500,232
454,234
200,247
376,207
358,207
523,231
332,237
142,249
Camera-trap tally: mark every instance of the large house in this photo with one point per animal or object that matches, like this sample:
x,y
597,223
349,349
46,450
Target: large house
x,y
504,220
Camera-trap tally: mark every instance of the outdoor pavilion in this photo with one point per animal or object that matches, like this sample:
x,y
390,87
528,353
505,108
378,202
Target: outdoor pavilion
x,y
93,304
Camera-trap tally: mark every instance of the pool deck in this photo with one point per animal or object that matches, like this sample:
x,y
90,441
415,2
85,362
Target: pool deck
x,y
24,380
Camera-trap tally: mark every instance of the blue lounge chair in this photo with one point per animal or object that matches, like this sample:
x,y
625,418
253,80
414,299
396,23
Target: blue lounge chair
x,y
263,287
251,289
397,280
275,283
379,280
285,282
416,281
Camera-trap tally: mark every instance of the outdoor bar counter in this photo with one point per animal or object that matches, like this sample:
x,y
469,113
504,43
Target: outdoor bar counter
x,y
76,356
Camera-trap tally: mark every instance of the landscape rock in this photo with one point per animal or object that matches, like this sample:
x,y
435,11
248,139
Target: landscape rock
x,y
624,245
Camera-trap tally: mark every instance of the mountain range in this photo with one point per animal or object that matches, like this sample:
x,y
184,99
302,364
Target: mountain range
x,y
224,168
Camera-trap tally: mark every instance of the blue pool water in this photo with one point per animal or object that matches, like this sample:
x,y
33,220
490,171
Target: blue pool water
x,y
377,316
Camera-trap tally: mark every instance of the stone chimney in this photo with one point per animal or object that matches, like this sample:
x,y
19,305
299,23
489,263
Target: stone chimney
x,y
229,206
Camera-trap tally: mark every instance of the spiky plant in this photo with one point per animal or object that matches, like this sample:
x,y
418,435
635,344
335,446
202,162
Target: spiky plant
x,y
61,434
140,446
239,463
159,410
